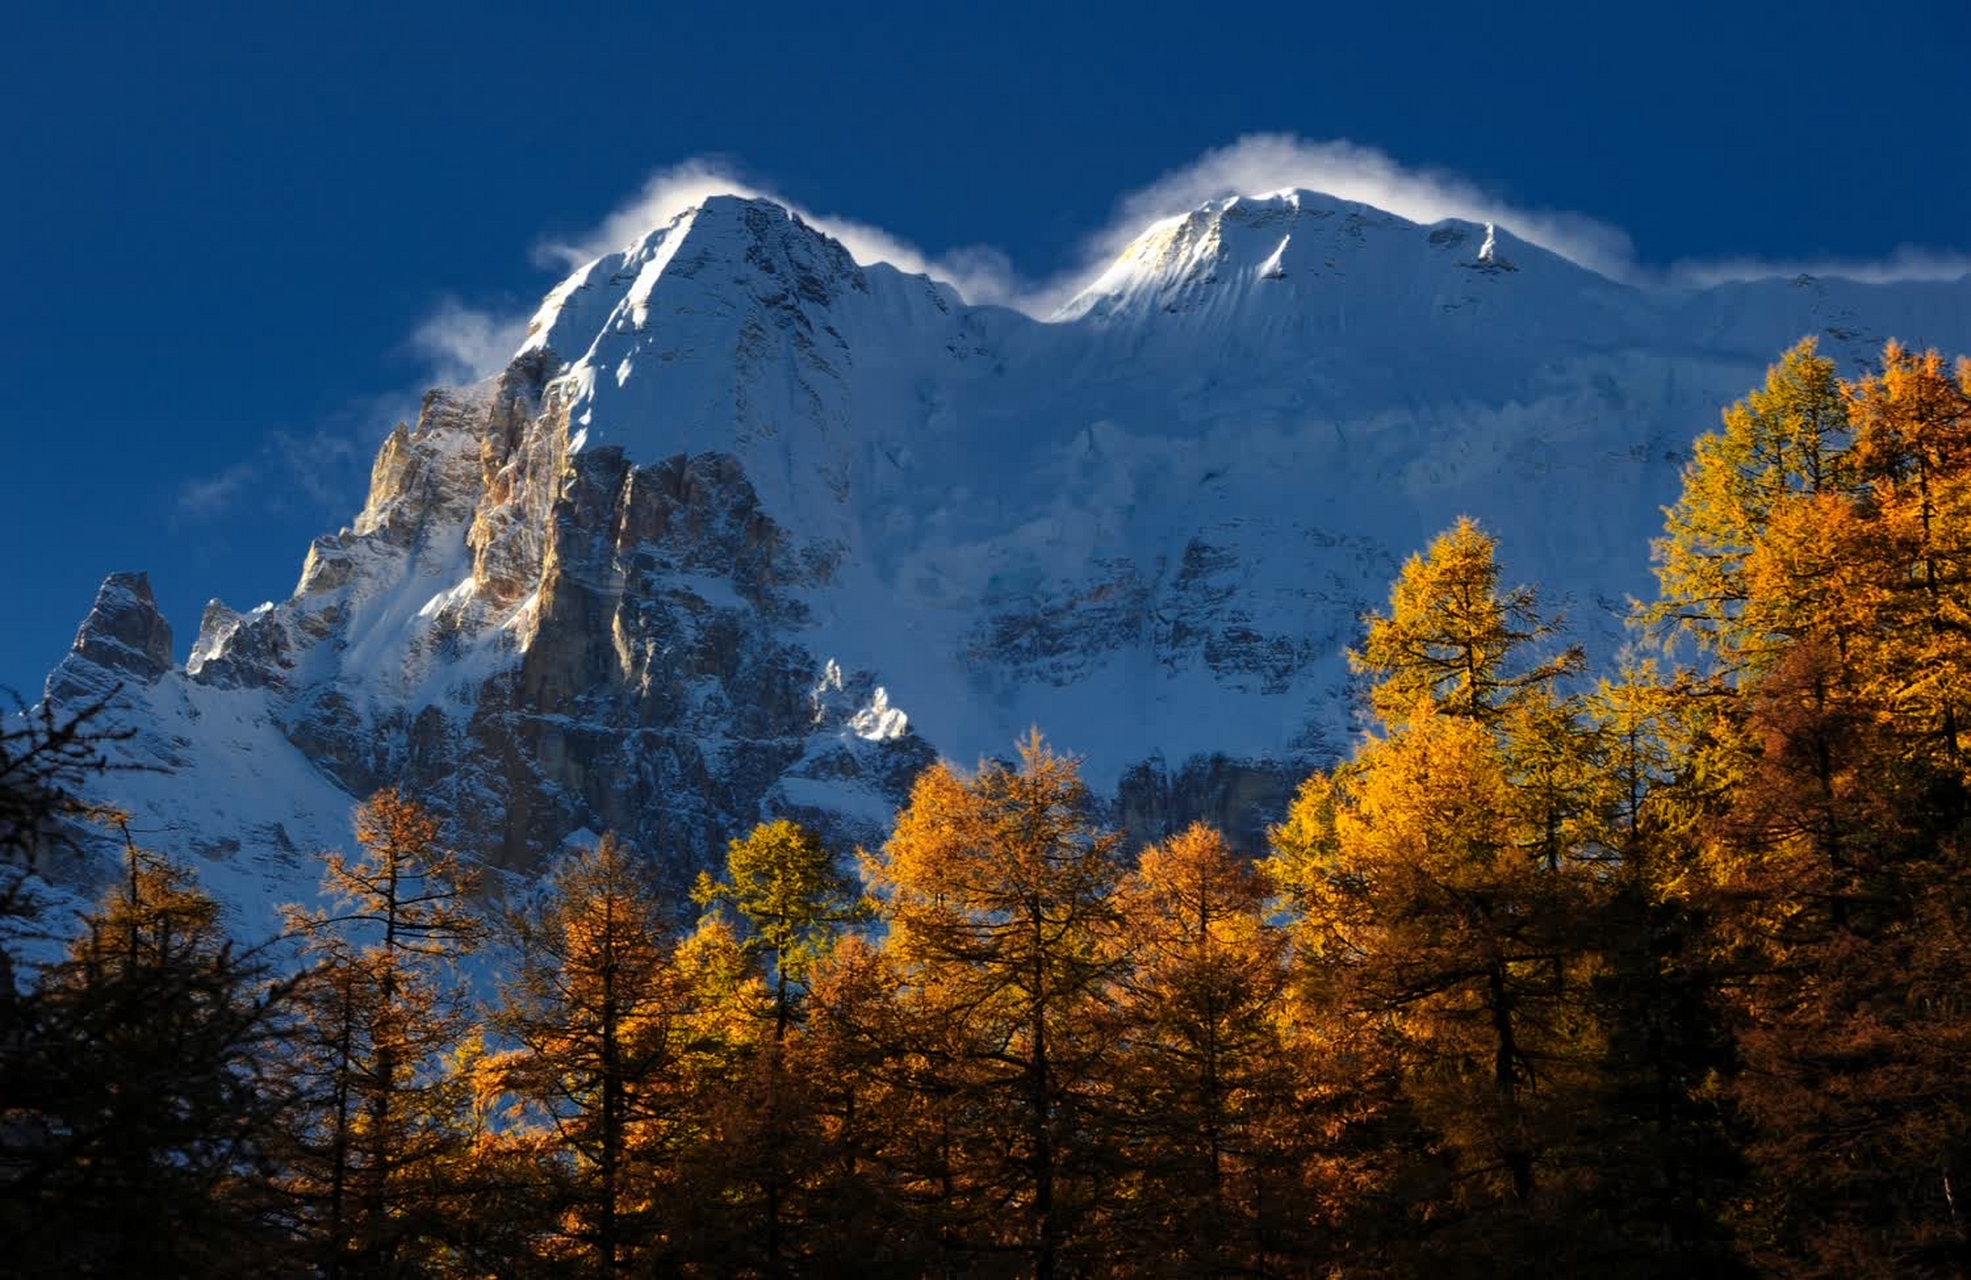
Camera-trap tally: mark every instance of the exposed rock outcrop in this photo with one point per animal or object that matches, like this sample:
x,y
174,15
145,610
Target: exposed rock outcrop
x,y
123,639
748,528
1241,798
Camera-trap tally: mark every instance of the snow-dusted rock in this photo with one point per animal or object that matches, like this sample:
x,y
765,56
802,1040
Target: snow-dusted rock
x,y
123,640
740,502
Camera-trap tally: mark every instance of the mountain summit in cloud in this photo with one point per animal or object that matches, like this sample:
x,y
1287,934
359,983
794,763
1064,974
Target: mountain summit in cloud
x,y
747,525
460,339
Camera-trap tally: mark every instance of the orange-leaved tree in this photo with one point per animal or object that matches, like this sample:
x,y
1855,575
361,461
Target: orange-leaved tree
x,y
597,1014
998,891
1439,882
380,1126
1204,1105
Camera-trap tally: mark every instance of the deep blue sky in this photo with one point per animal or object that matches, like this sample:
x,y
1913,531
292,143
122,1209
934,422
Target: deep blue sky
x,y
221,223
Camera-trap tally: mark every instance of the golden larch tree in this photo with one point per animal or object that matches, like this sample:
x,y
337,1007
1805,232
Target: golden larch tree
x,y
998,891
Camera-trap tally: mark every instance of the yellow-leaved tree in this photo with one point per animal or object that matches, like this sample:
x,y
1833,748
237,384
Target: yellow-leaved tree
x,y
1840,856
1783,441
597,1014
793,902
378,1130
998,891
1203,1088
1439,883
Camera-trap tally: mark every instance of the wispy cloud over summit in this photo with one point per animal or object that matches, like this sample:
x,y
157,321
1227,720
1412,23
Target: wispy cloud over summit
x,y
465,343
1254,164
981,273
1260,163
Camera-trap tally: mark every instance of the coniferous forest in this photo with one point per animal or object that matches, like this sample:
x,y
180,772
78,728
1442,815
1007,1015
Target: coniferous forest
x,y
1660,970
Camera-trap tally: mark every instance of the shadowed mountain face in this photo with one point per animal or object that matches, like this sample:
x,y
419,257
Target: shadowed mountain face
x,y
746,528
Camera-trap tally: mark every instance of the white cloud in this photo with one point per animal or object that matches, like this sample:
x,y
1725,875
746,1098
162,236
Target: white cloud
x,y
322,471
465,343
980,273
468,343
209,497
664,195
1907,263
1264,162
1252,165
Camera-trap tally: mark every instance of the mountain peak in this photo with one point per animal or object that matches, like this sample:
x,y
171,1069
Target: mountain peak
x,y
123,638
1312,246
723,239
654,577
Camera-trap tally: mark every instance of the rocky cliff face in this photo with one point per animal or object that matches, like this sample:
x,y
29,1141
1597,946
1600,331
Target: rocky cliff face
x,y
749,528
123,639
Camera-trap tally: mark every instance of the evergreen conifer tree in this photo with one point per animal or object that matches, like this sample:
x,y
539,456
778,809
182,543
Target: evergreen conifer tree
x,y
138,1114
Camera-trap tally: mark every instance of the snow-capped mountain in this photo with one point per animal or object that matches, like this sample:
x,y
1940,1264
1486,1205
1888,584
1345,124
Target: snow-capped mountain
x,y
747,527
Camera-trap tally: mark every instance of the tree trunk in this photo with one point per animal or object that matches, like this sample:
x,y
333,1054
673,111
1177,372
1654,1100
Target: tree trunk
x,y
1505,1081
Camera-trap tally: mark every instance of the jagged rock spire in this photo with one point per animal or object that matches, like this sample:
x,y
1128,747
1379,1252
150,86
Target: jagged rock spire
x,y
123,639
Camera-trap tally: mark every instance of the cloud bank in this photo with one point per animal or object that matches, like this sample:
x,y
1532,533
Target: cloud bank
x,y
1266,162
1906,264
1256,164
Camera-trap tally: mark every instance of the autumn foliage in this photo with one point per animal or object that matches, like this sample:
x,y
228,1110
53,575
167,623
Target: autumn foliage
x,y
1665,973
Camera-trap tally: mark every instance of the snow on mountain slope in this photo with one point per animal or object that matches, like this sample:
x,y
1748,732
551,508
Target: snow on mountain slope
x,y
747,527
1310,265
